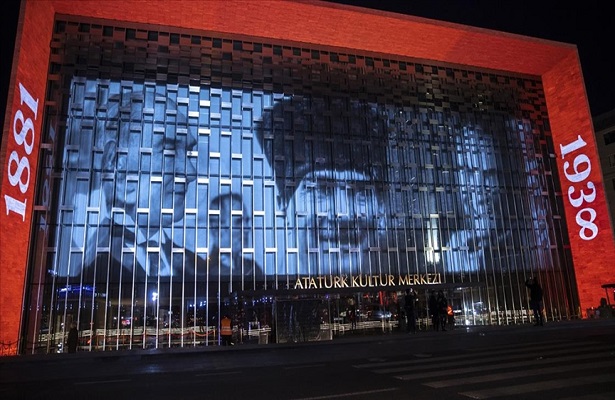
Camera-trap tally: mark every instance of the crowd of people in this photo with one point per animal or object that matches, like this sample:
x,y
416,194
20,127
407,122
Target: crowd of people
x,y
439,309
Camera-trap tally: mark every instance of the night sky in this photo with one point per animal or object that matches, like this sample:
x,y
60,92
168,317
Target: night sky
x,y
587,24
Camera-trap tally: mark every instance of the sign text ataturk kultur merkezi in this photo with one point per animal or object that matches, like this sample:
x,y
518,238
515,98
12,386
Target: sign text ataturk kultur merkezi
x,y
366,281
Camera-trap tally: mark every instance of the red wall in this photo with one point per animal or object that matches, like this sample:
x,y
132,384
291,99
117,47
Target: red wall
x,y
587,215
337,26
19,160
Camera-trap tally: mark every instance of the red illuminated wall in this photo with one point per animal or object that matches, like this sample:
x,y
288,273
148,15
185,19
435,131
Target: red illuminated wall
x,y
19,160
328,25
585,200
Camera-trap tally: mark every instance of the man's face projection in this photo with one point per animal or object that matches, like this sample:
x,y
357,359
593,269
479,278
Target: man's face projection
x,y
335,206
149,155
231,229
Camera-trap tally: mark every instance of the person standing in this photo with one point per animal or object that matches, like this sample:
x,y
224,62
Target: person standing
x,y
450,316
226,331
535,300
432,303
442,305
72,341
409,307
352,317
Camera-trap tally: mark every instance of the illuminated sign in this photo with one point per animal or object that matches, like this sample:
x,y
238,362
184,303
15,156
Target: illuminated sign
x,y
366,281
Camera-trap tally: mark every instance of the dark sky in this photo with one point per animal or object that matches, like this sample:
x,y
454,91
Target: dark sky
x,y
588,24
8,27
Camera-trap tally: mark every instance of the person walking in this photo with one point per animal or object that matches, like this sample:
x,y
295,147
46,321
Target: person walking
x,y
535,300
409,306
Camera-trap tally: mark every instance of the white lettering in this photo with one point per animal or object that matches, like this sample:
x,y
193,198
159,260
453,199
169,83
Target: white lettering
x,y
581,169
18,165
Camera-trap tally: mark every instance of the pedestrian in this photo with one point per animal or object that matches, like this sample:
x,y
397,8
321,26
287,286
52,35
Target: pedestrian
x,y
450,316
409,307
432,303
352,317
73,338
226,331
535,300
604,310
442,306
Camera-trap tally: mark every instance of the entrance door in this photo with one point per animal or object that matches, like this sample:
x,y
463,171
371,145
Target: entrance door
x,y
303,320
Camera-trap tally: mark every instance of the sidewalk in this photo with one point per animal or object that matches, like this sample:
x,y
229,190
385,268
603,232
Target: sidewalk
x,y
94,366
349,337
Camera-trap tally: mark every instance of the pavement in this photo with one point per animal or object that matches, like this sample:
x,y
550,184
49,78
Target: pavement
x,y
606,325
253,370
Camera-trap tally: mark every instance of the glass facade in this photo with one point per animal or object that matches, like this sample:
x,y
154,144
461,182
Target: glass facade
x,y
185,177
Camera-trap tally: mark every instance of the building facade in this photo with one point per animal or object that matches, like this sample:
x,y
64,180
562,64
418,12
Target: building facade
x,y
164,169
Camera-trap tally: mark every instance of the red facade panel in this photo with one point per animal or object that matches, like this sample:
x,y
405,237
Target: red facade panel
x,y
19,159
581,179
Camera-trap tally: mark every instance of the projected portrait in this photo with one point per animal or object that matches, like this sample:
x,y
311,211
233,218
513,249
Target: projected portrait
x,y
230,233
132,176
328,156
359,188
496,221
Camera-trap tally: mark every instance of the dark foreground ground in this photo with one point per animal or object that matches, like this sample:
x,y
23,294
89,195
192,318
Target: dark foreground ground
x,y
562,360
